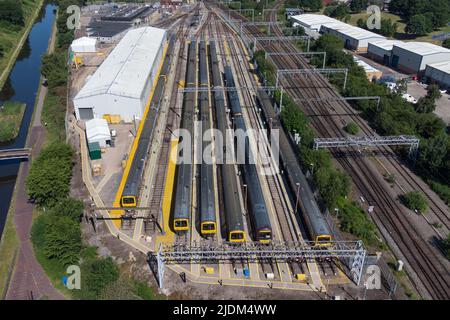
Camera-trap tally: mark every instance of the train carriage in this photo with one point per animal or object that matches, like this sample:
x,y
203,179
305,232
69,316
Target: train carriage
x,y
260,220
312,216
208,226
183,193
133,183
232,207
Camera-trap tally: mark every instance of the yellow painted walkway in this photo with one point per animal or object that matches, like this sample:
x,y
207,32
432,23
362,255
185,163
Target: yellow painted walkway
x,y
118,213
168,236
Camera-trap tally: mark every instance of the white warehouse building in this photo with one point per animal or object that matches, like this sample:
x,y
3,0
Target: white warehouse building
x,y
354,38
123,82
312,22
413,57
439,73
381,50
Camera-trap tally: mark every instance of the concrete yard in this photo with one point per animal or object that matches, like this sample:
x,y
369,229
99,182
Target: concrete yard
x,y
418,90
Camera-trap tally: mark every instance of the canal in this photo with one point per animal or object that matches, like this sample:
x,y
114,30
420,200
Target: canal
x,y
22,86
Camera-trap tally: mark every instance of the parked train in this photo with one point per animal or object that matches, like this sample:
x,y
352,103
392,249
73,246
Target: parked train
x,y
314,220
260,221
232,207
130,192
207,207
183,183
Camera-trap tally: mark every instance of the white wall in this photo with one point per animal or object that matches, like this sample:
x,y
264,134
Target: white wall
x,y
110,104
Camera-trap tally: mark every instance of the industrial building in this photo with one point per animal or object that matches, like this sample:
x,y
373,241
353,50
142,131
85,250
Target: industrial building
x,y
107,31
355,38
97,130
413,57
121,85
439,73
381,50
312,22
84,45
371,72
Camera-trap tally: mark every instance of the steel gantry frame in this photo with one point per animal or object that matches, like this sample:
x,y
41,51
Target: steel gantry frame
x,y
309,53
345,142
231,3
352,253
312,71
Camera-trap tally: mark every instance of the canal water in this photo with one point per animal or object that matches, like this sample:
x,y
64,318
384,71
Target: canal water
x,y
22,86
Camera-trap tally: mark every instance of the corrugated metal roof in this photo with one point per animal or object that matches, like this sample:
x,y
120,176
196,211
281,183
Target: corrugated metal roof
x,y
441,66
385,44
422,48
314,19
97,127
354,32
128,66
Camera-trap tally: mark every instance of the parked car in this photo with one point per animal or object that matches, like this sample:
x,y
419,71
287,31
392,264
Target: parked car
x,y
409,98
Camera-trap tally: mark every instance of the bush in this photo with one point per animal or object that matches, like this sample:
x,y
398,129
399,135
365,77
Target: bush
x,y
415,200
98,274
49,177
351,128
442,190
58,238
355,221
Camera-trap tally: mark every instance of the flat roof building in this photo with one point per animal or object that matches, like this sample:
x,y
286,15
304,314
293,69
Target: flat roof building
x,y
439,73
381,50
107,31
413,57
84,44
312,22
354,38
123,82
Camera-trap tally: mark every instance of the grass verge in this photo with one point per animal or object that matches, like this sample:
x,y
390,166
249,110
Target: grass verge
x,y
10,36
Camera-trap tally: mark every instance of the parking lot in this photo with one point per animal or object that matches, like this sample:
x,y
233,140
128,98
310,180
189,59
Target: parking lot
x,y
418,90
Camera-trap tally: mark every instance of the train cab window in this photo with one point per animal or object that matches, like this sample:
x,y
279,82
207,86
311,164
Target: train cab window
x,y
237,235
128,200
208,226
181,223
323,239
265,235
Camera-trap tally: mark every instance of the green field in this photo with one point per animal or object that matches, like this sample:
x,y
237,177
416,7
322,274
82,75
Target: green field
x,y
11,114
12,37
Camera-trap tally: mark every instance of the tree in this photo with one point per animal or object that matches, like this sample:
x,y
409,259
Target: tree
x,y
358,5
97,275
312,5
49,177
54,68
415,200
62,239
332,185
433,92
433,153
11,11
425,105
361,23
388,28
2,51
69,207
446,43
419,25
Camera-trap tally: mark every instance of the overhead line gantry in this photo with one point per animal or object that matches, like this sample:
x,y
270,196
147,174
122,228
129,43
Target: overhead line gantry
x,y
310,72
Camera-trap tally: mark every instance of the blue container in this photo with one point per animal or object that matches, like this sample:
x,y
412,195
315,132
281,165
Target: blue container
x,y
246,273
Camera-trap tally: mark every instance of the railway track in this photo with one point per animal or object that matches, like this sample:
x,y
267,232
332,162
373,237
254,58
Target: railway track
x,y
434,277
